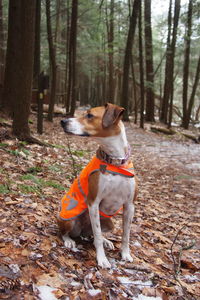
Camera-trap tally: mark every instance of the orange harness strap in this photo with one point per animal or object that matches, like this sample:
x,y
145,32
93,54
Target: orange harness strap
x,y
74,203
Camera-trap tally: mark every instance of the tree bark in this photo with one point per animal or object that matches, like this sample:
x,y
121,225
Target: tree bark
x,y
169,70
36,68
52,58
173,50
149,63
141,59
165,100
19,64
111,53
72,76
186,62
127,59
192,97
2,51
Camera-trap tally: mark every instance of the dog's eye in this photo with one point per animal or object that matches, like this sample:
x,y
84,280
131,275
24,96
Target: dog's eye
x,y
89,116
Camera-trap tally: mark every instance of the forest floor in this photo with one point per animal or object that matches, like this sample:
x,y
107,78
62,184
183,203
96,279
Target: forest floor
x,y
165,234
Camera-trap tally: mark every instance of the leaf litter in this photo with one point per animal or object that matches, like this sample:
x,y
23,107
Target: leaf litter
x,y
33,261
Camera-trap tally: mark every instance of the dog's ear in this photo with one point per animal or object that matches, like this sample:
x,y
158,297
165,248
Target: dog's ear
x,y
112,115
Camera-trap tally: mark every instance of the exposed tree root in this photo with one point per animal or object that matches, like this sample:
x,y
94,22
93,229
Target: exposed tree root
x,y
31,140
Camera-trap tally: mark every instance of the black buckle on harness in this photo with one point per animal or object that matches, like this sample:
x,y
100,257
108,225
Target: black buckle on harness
x,y
103,169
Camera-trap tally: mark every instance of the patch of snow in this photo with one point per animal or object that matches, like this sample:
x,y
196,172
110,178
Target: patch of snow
x,y
137,244
142,297
130,271
126,280
193,166
191,278
76,284
74,249
15,268
45,292
93,292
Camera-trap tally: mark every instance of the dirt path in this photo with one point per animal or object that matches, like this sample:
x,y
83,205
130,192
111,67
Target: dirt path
x,y
165,236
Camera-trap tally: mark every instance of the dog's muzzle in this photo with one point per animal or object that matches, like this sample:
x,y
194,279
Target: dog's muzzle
x,y
63,123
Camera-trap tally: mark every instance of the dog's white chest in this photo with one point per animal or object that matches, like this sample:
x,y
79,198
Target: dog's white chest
x,y
114,191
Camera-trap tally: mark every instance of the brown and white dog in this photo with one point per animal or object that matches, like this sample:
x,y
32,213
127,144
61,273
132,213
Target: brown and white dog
x,y
106,191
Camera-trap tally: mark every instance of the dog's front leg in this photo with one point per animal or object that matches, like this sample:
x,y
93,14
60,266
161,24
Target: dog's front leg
x,y
98,238
128,213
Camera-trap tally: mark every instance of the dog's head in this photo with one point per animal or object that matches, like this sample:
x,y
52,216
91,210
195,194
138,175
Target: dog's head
x,y
102,121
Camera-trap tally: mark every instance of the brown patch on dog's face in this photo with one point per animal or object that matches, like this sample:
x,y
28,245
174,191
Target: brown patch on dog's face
x,y
103,121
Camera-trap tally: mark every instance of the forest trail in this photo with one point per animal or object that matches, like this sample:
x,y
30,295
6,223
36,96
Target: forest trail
x,y
165,236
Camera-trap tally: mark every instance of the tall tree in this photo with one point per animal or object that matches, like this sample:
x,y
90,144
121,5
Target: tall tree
x,y
72,76
127,58
173,50
52,57
166,113
2,52
19,64
192,97
110,29
141,58
186,63
165,100
36,68
149,62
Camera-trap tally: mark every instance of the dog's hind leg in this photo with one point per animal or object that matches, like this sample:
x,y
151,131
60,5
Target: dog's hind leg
x,y
65,228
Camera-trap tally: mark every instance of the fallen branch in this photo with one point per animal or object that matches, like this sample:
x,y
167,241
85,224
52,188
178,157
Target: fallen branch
x,y
177,264
191,137
163,130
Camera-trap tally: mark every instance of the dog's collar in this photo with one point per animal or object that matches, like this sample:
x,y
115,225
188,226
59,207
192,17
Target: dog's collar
x,y
102,155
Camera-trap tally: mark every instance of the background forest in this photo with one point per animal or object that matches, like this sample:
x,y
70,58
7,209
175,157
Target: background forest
x,y
56,56
143,55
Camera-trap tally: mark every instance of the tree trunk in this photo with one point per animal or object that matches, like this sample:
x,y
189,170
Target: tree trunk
x,y
19,64
165,101
149,63
36,66
111,53
66,99
173,50
169,71
141,69
2,51
186,62
73,41
127,59
52,58
192,97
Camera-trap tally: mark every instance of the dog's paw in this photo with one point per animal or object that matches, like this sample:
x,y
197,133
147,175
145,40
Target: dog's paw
x,y
108,244
68,242
127,256
103,262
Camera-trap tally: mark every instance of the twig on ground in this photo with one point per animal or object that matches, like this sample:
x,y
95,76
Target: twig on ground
x,y
177,265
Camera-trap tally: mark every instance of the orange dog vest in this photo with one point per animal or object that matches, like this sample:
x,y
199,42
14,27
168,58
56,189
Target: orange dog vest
x,y
74,203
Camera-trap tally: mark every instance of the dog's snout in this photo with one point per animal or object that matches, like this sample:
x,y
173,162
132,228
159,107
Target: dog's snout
x,y
63,123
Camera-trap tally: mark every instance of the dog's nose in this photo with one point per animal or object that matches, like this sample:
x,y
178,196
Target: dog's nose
x,y
63,123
